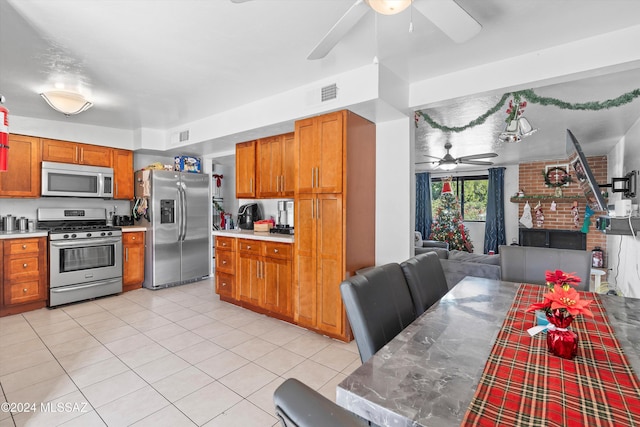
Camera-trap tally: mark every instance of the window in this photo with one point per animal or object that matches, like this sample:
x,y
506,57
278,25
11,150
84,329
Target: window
x,y
471,192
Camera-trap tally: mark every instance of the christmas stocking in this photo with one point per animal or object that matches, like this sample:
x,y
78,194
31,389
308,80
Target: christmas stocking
x,y
576,215
587,219
526,219
539,216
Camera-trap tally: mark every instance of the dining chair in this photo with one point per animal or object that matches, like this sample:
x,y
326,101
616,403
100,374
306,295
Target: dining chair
x,y
426,280
528,264
298,405
378,305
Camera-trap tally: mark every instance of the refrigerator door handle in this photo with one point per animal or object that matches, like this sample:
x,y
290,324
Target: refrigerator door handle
x,y
183,198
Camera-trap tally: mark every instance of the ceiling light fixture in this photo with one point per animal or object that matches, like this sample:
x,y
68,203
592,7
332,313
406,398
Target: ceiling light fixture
x,y
516,130
388,7
66,102
448,166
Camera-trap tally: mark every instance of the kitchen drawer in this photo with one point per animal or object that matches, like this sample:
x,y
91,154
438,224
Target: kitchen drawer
x,y
23,292
22,246
250,246
132,237
225,261
23,267
225,243
225,284
277,250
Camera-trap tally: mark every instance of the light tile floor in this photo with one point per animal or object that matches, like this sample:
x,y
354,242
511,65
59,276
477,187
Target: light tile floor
x,y
172,357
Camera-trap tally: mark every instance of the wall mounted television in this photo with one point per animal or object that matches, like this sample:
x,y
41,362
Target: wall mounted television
x,y
586,180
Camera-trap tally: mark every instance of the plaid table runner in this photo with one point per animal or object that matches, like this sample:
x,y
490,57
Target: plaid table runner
x,y
524,385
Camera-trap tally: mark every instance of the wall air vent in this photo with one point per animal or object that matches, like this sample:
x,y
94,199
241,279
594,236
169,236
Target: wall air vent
x,y
329,92
184,136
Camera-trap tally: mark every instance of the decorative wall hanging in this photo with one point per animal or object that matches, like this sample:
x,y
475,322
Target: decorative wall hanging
x,y
526,218
539,215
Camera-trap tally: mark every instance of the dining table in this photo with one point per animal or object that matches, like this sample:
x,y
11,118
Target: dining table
x,y
456,364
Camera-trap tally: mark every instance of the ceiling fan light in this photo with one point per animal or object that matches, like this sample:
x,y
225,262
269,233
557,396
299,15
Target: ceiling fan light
x,y
388,7
447,166
66,102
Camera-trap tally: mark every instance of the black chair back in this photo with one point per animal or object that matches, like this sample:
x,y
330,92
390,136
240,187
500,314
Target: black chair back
x,y
297,405
426,280
378,305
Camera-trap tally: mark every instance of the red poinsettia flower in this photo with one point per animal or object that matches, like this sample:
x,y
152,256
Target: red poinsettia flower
x,y
559,277
569,300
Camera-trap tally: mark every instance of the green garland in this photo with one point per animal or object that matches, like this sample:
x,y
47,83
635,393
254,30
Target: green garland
x,y
531,96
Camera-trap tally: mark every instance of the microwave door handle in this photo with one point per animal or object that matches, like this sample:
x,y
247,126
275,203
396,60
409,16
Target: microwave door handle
x,y
100,184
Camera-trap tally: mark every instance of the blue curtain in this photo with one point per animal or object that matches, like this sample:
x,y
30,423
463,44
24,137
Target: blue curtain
x,y
494,233
423,204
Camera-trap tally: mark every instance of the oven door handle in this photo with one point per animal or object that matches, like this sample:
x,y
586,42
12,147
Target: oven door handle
x,y
92,242
89,285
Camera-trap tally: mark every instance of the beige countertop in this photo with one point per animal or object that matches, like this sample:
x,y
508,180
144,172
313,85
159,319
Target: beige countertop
x,y
254,235
129,228
22,234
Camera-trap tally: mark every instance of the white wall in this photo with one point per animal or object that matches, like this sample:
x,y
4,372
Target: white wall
x,y
623,252
394,189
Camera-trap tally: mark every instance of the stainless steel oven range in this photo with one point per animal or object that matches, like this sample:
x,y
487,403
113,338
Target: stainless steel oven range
x,y
85,254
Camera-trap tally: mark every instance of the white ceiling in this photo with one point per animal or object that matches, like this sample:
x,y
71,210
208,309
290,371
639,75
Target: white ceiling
x,y
161,63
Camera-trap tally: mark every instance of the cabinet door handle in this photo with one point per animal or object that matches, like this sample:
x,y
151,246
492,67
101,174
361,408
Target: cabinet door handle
x,y
24,290
249,247
24,246
24,265
224,262
250,185
275,251
126,254
317,209
313,177
313,208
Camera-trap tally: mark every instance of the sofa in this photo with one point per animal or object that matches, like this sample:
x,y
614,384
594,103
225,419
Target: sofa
x,y
459,264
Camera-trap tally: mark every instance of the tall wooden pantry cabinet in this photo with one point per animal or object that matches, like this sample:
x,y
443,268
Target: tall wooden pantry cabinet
x,y
334,215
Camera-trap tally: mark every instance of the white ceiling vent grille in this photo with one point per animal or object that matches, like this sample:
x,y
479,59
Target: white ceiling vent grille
x,y
184,136
329,92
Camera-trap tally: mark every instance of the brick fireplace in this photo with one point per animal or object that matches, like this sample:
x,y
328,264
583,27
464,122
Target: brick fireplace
x,y
531,181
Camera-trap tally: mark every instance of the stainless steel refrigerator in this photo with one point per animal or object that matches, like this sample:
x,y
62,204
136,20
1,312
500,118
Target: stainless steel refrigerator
x,y
178,222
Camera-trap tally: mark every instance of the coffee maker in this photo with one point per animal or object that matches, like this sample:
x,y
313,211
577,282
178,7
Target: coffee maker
x,y
285,218
247,215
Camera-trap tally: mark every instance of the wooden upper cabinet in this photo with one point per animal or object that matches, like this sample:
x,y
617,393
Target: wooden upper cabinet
x,y
246,169
73,152
22,178
275,169
319,145
95,155
122,161
59,151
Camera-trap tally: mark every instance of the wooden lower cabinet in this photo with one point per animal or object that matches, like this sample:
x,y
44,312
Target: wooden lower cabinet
x,y
263,276
23,275
225,268
133,260
320,269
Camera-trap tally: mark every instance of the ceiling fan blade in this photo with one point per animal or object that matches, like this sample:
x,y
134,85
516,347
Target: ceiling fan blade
x,y
342,27
433,157
424,163
474,162
452,20
478,156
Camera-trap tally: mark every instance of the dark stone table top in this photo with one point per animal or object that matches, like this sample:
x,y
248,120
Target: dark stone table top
x,y
427,375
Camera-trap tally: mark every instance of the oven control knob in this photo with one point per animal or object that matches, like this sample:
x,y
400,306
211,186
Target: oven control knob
x,y
103,234
66,236
88,234
109,233
73,236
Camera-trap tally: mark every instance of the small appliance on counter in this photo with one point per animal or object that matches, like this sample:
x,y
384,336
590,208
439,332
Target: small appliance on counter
x,y
247,215
121,220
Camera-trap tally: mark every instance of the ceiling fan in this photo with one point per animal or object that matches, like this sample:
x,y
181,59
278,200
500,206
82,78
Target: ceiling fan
x,y
448,162
447,15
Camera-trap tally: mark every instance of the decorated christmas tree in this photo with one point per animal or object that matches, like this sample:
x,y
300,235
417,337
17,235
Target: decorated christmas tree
x,y
448,226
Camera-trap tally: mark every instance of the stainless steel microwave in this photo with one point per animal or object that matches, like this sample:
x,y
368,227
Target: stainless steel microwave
x,y
69,180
